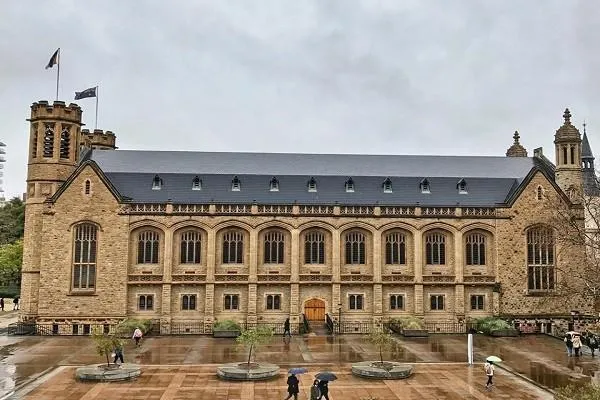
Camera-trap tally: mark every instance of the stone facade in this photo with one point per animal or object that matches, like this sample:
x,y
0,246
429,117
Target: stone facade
x,y
500,284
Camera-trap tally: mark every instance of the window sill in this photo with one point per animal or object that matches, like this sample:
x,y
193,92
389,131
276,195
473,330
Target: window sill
x,y
82,293
541,294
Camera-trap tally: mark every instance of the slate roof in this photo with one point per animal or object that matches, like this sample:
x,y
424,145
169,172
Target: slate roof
x,y
586,149
490,180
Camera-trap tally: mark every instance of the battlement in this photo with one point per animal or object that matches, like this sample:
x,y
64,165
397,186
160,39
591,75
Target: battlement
x,y
99,139
42,110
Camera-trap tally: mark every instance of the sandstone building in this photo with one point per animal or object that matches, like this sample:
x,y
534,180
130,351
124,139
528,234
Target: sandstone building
x,y
190,237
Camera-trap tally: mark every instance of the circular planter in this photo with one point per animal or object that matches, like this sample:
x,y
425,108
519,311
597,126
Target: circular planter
x,y
111,373
389,370
240,371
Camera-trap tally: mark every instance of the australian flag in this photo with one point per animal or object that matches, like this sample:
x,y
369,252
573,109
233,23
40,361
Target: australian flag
x,y
53,60
91,92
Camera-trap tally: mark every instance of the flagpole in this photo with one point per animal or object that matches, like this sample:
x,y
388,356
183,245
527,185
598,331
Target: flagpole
x,y
96,121
57,72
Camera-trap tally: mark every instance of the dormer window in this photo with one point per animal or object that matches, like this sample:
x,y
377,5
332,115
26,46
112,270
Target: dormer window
x,y
156,183
349,186
387,186
312,185
236,184
274,185
462,186
197,184
425,188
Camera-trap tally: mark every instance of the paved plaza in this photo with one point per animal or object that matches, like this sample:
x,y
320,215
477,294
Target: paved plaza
x,y
184,368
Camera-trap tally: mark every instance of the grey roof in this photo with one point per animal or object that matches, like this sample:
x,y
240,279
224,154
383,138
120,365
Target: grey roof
x,y
586,150
490,180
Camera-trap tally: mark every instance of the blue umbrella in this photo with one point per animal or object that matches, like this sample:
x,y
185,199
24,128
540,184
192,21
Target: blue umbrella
x,y
297,371
326,376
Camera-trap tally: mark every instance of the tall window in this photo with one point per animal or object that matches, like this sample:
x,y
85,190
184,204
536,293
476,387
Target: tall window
x,y
84,257
436,302
435,249
34,141
274,247
273,302
148,242
355,301
233,247
88,186
48,140
146,302
396,302
476,249
188,302
395,248
355,248
540,259
314,248
232,302
190,247
65,142
477,302
539,192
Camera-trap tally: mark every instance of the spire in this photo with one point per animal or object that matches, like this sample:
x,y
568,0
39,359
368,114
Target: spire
x,y
567,131
516,150
586,150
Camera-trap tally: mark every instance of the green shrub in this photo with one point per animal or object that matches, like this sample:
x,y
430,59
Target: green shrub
x,y
127,326
226,325
408,322
587,391
9,292
489,324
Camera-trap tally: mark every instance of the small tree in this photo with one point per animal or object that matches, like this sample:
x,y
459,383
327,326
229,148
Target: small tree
x,y
381,339
105,344
253,337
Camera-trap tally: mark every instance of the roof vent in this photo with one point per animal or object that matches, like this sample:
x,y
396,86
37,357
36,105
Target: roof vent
x,y
349,185
425,188
387,186
312,185
462,187
236,184
197,183
274,185
156,183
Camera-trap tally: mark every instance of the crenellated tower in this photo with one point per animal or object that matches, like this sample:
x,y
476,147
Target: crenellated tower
x,y
568,173
98,139
54,142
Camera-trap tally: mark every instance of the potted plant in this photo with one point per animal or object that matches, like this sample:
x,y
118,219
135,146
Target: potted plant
x,y
226,329
409,326
250,338
493,326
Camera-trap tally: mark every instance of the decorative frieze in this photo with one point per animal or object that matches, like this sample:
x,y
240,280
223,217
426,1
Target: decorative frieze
x,y
316,210
190,208
275,209
478,212
439,211
144,278
315,278
356,278
479,279
438,279
398,278
189,278
231,278
144,208
233,208
393,210
356,210
274,277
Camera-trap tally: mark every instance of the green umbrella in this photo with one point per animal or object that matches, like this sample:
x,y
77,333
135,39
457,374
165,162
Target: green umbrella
x,y
493,359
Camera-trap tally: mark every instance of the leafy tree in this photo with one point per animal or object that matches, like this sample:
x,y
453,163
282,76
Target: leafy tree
x,y
381,339
12,221
254,337
11,259
105,344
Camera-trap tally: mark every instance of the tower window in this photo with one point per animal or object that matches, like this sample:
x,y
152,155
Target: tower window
x,y
564,149
156,183
312,185
539,193
462,187
197,184
274,185
387,186
48,141
88,187
65,142
425,188
236,184
349,186
34,142
572,155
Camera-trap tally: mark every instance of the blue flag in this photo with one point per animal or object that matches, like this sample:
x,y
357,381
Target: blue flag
x,y
91,92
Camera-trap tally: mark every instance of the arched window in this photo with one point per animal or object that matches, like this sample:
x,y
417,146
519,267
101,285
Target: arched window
x,y
572,155
475,249
236,184
540,259
349,185
274,247
539,193
425,188
395,248
274,185
148,242
355,248
387,186
190,247
565,161
435,248
48,140
314,248
88,187
65,142
312,185
156,183
84,257
197,184
233,247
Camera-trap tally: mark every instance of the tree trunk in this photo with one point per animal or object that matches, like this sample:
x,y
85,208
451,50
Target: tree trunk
x,y
381,355
249,355
107,359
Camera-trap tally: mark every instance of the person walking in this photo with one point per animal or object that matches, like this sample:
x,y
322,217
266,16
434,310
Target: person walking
x,y
293,388
286,328
16,303
315,393
576,344
118,353
488,367
592,342
137,336
324,389
2,304
569,343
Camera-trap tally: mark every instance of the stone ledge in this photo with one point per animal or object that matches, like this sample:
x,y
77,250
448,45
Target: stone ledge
x,y
391,370
99,372
239,372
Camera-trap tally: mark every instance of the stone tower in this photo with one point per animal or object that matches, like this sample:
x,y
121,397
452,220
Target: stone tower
x,y
590,181
567,144
516,150
54,141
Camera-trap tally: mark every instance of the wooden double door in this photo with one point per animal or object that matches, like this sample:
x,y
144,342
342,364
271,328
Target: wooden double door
x,y
314,309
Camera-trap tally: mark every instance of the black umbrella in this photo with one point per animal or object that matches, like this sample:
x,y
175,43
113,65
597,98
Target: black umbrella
x,y
326,376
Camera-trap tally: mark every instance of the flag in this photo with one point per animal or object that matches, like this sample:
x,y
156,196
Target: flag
x,y
91,92
53,59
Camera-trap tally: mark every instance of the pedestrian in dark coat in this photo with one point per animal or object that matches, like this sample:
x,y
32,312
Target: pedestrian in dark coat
x,y
1,304
293,388
324,390
315,393
286,328
569,343
118,353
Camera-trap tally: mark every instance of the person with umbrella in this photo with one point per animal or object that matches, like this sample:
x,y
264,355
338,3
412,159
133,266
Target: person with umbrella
x,y
488,367
293,388
315,392
324,378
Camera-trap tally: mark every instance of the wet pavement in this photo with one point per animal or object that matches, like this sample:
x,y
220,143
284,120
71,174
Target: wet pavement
x,y
541,359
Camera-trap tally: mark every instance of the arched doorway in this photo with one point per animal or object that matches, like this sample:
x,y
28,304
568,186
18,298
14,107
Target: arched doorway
x,y
314,309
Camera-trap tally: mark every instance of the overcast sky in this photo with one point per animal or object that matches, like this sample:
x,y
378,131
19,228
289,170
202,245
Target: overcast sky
x,y
348,76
